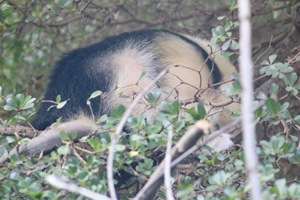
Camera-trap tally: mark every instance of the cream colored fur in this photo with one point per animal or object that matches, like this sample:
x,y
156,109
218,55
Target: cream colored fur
x,y
188,76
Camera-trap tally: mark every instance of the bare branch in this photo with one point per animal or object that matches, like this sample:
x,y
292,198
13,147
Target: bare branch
x,y
246,70
85,6
57,24
167,168
48,139
23,131
66,185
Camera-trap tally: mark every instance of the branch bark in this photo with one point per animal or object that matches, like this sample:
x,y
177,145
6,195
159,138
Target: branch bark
x,y
246,70
48,139
66,185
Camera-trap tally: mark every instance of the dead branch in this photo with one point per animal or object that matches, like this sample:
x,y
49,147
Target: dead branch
x,y
67,185
23,131
48,139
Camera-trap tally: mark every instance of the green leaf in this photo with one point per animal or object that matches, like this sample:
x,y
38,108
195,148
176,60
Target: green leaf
x,y
25,140
201,110
220,31
277,142
170,108
180,125
54,155
10,139
72,169
193,113
293,189
261,95
272,106
291,79
95,94
5,6
285,105
63,135
52,12
234,45
273,89
297,119
153,97
144,74
226,45
90,159
102,119
212,187
58,120
29,19
221,17
58,98
61,104
83,175
234,75
136,137
74,135
96,144
14,157
228,54
294,138
265,62
236,85
281,186
120,147
233,5
8,108
118,112
28,103
272,58
64,3
63,150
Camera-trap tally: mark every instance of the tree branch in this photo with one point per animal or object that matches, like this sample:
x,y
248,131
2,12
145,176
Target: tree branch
x,y
66,185
246,70
48,139
167,168
188,140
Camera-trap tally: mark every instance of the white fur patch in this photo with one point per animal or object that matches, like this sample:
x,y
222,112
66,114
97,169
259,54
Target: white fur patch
x,y
130,63
184,63
188,75
220,143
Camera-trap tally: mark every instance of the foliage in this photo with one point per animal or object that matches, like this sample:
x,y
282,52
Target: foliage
x,y
136,156
33,34
221,174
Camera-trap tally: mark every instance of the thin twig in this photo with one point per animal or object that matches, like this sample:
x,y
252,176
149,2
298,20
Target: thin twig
x,y
85,6
213,135
269,47
57,182
109,167
167,168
